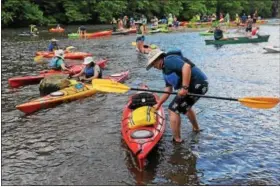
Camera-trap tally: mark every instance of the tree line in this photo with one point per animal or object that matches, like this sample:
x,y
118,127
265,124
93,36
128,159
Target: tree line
x,y
16,13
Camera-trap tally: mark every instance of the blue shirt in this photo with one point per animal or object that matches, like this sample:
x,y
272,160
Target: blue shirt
x,y
52,47
174,64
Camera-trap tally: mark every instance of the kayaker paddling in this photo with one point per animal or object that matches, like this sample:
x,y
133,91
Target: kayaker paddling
x,y
53,45
218,34
90,71
82,31
140,38
179,73
249,24
57,62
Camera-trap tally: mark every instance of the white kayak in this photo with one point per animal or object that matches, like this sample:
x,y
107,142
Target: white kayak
x,y
272,49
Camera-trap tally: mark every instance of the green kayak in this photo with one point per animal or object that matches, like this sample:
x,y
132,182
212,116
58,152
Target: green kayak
x,y
73,35
165,30
238,40
206,33
162,25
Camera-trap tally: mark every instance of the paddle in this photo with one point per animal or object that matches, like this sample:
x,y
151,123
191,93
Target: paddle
x,y
104,85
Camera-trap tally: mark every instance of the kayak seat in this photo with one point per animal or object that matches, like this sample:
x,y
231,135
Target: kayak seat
x,y
142,99
140,134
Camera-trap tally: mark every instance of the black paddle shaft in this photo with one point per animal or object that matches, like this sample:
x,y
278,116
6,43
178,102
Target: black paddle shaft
x,y
191,94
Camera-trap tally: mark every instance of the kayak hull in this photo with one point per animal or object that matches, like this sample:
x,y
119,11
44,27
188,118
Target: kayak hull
x,y
16,82
142,147
56,30
70,94
271,49
91,35
238,40
206,33
68,55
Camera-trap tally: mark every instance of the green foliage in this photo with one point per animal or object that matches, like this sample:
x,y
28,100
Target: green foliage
x,y
24,12
108,9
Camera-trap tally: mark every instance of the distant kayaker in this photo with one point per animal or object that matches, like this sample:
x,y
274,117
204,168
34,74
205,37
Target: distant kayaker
x,y
120,24
57,62
58,26
179,73
255,31
53,45
237,19
90,71
154,22
244,18
170,20
132,22
140,37
82,30
227,18
218,33
114,24
33,30
249,24
175,22
144,23
255,17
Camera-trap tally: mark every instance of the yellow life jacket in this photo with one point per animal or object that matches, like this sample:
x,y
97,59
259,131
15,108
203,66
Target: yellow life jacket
x,y
143,116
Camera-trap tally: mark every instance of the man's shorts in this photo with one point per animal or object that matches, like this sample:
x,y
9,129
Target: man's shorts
x,y
248,29
183,104
140,39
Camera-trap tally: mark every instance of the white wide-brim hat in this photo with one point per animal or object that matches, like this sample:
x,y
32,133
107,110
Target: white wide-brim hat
x,y
54,40
88,60
59,53
152,56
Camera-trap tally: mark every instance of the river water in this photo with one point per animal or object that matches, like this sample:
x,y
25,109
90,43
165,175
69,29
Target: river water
x,y
80,143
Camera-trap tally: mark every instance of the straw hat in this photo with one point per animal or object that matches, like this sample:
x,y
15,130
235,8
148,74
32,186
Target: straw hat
x,y
88,60
54,40
59,53
153,55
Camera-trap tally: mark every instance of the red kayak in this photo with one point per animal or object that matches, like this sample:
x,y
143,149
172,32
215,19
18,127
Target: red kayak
x,y
16,82
99,34
68,55
143,139
71,93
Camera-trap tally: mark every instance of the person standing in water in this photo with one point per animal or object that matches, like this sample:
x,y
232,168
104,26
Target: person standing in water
x,y
179,73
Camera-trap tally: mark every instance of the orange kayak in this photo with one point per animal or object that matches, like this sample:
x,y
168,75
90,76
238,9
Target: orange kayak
x,y
56,30
141,140
72,93
68,55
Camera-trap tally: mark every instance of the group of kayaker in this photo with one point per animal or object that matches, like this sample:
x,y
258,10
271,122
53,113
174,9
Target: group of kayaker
x,y
122,24
89,72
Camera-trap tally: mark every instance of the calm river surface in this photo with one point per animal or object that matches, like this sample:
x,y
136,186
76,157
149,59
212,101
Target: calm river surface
x,y
80,143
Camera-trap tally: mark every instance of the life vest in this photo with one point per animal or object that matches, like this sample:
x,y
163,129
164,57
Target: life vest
x,y
89,72
53,63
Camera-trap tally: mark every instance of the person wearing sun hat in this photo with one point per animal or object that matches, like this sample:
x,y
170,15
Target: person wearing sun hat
x,y
90,71
179,73
53,45
57,62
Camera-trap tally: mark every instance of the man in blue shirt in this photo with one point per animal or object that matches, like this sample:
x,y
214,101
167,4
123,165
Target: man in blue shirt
x,y
179,73
53,45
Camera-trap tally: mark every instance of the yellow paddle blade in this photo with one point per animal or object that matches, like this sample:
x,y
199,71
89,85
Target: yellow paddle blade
x,y
107,85
73,82
260,102
133,43
38,59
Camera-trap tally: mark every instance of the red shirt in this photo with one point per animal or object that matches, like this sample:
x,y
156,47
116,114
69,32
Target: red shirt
x,y
254,32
